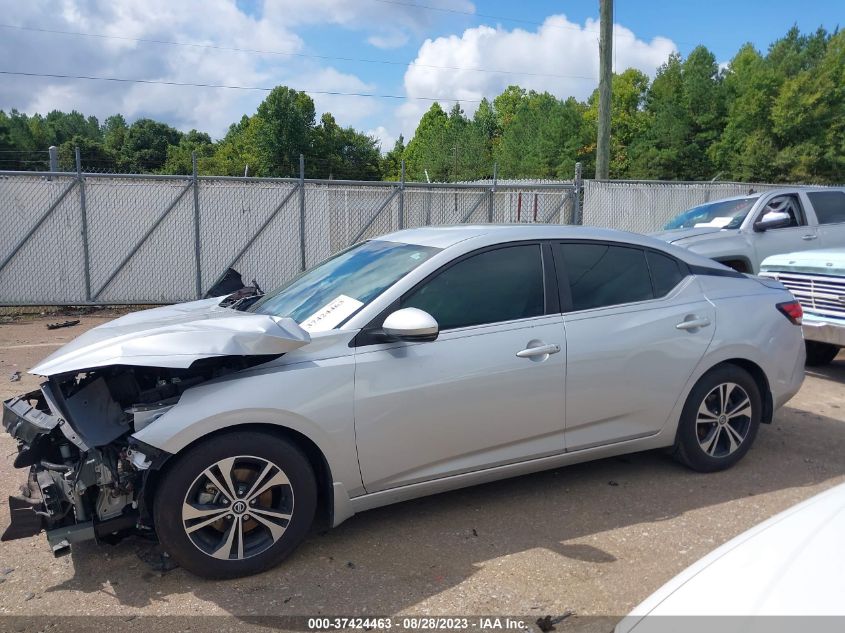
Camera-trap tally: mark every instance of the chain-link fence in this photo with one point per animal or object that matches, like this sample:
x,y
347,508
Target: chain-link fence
x,y
80,238
72,239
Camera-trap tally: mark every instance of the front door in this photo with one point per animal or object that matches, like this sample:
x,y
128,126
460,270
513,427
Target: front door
x,y
798,236
488,391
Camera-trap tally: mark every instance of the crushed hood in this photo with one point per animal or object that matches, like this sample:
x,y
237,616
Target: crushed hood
x,y
676,235
176,336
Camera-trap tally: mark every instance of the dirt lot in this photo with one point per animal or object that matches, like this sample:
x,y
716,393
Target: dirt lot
x,y
593,539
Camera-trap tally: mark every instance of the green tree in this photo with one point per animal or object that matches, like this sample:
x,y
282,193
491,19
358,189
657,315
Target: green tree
x,y
283,130
391,162
146,143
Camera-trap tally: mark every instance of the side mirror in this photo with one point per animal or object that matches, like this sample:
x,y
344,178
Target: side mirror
x,y
411,324
773,220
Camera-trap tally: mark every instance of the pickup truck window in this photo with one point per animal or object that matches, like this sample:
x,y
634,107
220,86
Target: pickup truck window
x,y
829,206
788,204
723,214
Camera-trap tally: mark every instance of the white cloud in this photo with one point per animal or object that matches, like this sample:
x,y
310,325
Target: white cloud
x,y
560,57
206,22
394,39
385,138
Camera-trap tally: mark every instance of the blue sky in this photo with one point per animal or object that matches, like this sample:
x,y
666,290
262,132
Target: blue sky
x,y
447,49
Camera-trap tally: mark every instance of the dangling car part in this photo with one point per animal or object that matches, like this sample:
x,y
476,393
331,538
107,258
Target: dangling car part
x,y
87,473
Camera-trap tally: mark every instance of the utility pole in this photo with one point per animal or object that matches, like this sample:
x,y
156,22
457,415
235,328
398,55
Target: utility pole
x,y
605,75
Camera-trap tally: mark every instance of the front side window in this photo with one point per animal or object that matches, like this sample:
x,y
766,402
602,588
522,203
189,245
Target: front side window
x,y
785,204
722,214
829,206
498,285
603,275
321,298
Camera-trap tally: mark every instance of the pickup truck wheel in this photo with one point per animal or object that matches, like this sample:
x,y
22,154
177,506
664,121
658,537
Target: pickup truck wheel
x,y
235,504
720,420
820,353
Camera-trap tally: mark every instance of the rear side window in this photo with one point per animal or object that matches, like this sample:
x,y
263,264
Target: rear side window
x,y
603,275
665,272
829,206
493,286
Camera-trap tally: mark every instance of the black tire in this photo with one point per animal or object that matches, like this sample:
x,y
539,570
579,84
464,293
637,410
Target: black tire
x,y
186,480
820,353
695,431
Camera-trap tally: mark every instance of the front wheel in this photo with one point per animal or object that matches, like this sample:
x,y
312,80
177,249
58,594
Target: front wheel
x,y
820,353
235,504
720,420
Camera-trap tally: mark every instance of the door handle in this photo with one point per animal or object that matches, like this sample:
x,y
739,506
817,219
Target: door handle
x,y
693,324
809,237
541,350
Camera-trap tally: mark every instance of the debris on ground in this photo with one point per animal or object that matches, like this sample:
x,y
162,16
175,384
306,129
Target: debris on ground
x,y
612,483
16,376
61,324
156,558
547,622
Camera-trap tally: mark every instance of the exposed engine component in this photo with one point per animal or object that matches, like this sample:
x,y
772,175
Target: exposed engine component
x,y
87,474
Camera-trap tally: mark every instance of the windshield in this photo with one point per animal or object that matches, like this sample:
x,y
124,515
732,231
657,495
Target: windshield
x,y
324,296
722,214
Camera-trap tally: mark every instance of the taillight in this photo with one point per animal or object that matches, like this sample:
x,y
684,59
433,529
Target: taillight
x,y
792,311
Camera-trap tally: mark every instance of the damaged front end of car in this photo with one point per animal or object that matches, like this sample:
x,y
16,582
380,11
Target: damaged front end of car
x,y
87,474
89,478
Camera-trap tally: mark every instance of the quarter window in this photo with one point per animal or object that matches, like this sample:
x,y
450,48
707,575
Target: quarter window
x,y
603,275
498,285
829,206
665,272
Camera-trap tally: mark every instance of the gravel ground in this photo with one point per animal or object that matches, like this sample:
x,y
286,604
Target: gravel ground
x,y
593,539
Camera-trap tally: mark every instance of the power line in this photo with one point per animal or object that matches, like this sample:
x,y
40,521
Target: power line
x,y
257,51
227,86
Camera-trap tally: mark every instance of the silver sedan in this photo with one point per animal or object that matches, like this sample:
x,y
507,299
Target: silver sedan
x,y
417,362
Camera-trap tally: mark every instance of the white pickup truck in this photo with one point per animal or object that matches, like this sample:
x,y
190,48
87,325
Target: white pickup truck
x,y
742,231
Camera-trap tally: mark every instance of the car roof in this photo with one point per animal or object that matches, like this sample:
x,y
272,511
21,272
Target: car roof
x,y
467,237
447,236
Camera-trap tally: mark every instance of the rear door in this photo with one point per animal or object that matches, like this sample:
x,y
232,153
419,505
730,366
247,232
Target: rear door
x,y
829,207
636,327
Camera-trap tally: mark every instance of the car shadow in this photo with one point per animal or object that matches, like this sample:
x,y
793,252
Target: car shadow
x,y
833,371
387,560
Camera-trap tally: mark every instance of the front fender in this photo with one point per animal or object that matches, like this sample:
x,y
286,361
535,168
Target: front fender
x,y
314,398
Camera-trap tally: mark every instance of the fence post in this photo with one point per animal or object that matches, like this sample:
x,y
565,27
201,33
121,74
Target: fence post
x,y
54,158
402,196
197,251
86,263
302,211
492,193
576,204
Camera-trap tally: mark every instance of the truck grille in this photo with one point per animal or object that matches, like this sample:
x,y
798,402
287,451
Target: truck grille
x,y
819,294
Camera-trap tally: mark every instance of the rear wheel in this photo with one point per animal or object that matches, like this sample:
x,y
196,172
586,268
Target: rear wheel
x,y
720,420
820,353
235,505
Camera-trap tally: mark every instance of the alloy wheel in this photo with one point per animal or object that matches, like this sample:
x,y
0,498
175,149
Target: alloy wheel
x,y
723,419
238,507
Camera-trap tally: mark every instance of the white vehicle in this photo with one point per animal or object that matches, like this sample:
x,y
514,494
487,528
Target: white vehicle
x,y
414,363
741,232
817,279
791,565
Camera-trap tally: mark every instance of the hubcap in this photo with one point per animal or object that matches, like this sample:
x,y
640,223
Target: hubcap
x,y
723,420
238,507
